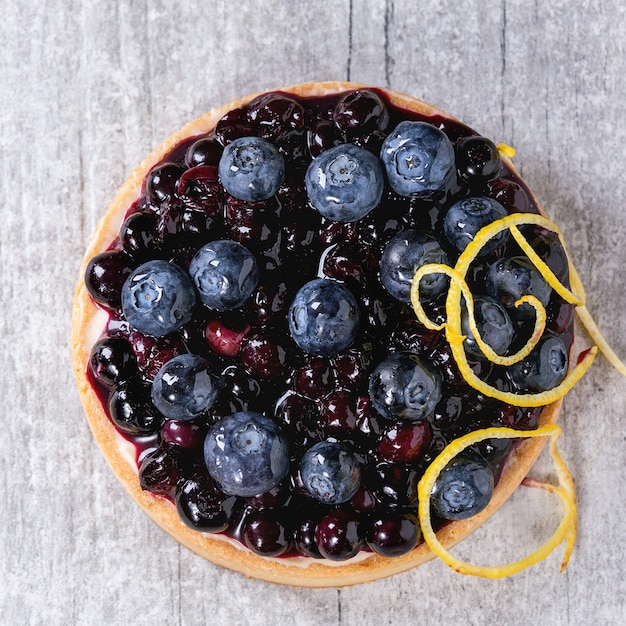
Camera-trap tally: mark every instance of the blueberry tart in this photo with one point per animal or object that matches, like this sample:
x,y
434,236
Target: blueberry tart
x,y
321,334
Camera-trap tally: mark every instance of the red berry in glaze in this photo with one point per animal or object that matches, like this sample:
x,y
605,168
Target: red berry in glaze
x,y
405,442
338,536
183,434
161,181
224,340
105,275
204,152
264,533
392,534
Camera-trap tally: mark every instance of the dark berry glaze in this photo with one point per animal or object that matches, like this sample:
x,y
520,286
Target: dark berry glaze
x,y
183,206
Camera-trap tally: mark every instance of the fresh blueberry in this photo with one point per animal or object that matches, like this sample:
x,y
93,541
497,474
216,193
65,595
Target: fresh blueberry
x,y
345,183
402,387
508,279
418,158
251,169
158,298
403,256
544,368
323,317
225,274
330,472
184,387
494,325
466,217
246,453
463,488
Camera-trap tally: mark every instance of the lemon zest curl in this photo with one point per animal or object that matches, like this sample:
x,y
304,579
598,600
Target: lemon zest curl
x,y
459,290
565,532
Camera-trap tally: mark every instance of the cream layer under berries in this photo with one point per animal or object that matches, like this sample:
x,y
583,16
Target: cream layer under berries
x,y
261,353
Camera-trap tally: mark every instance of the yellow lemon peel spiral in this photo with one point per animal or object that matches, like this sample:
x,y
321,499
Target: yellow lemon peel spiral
x,y
566,531
459,289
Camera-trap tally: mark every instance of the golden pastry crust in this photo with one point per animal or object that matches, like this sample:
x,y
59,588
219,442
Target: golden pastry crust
x,y
297,571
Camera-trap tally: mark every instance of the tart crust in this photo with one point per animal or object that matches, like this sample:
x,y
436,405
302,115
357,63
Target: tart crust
x,y
87,325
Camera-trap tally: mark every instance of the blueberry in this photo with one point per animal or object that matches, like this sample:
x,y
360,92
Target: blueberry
x,y
132,411
508,279
246,453
323,317
402,387
225,274
330,472
494,325
158,298
418,158
184,387
161,181
105,275
477,159
403,256
251,169
345,183
544,368
463,488
112,361
466,217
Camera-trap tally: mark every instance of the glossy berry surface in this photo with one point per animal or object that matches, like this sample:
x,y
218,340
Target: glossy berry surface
x,y
324,317
494,326
477,159
330,472
393,534
509,279
403,256
202,507
418,159
403,387
345,183
246,453
338,536
465,218
544,368
225,274
112,361
132,411
104,276
184,388
463,488
158,298
251,169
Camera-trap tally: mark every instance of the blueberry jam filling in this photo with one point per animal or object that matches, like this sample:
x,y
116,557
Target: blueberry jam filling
x,y
261,353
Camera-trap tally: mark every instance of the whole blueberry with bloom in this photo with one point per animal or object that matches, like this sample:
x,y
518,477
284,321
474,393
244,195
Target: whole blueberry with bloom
x,y
345,183
158,298
184,387
418,159
225,274
246,453
324,317
251,169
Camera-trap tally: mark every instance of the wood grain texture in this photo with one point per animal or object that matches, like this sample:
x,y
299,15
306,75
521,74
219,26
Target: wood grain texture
x,y
88,88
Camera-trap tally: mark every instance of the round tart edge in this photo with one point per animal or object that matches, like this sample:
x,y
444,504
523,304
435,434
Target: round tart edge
x,y
295,571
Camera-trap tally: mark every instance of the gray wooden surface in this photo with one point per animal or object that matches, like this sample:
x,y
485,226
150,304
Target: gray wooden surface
x,y
88,88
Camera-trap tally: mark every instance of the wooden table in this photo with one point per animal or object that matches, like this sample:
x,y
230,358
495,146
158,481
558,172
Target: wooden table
x,y
88,88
